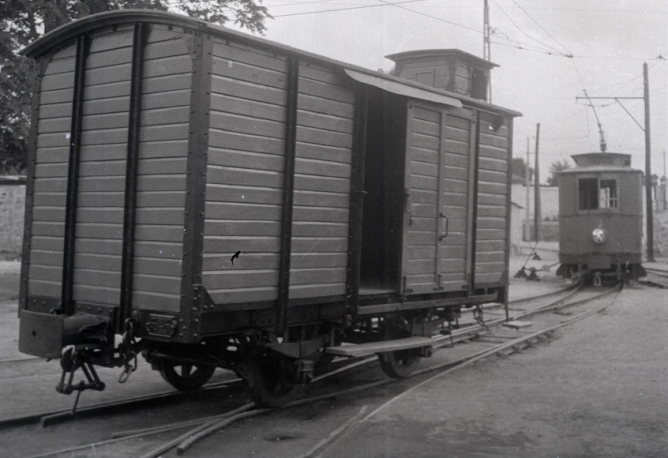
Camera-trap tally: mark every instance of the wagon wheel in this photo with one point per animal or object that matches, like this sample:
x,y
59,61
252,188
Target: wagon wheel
x,y
186,376
272,380
400,363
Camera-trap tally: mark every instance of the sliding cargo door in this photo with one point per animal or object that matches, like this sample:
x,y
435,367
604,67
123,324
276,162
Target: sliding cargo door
x,y
438,215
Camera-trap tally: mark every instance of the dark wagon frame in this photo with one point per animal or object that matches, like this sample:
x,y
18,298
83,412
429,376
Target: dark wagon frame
x,y
358,207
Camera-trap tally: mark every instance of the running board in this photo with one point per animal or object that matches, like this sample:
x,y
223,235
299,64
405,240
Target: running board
x,y
517,324
380,347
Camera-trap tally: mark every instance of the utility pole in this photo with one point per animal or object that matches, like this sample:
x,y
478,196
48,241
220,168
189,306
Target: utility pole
x,y
648,169
527,182
648,157
487,45
663,181
536,216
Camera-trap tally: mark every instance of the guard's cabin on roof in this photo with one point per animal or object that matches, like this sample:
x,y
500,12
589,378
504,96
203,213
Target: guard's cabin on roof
x,y
448,69
204,191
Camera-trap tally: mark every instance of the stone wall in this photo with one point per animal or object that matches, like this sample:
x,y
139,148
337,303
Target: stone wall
x,y
12,208
660,233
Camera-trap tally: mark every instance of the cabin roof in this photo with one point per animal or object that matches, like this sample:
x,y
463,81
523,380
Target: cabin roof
x,y
68,32
600,162
439,53
598,169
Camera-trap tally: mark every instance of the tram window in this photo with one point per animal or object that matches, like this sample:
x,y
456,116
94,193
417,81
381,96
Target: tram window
x,y
607,194
588,193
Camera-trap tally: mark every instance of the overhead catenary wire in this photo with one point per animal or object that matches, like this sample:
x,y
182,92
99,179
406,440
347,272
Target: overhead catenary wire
x,y
569,53
525,33
303,13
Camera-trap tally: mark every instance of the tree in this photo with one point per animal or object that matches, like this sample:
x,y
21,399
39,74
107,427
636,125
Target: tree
x,y
519,166
555,168
23,21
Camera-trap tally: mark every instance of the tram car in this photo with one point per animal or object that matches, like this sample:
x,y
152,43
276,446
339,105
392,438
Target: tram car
x,y
600,218
205,198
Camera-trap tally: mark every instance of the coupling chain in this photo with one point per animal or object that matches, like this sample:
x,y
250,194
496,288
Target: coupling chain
x,y
125,351
478,315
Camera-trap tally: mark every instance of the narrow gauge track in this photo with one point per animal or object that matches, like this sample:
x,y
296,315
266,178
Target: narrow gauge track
x,y
468,330
205,426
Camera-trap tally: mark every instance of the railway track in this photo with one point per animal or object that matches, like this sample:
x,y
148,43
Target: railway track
x,y
469,329
499,345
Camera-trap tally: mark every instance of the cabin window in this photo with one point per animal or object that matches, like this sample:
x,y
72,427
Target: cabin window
x,y
594,194
588,193
479,85
607,194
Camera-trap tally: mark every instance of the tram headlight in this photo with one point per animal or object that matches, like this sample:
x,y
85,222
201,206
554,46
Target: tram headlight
x,y
599,236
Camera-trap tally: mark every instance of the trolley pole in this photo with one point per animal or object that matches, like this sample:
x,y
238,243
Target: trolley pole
x,y
648,157
648,170
536,216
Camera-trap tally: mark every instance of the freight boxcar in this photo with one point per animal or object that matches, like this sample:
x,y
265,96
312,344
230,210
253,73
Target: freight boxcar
x,y
600,218
220,200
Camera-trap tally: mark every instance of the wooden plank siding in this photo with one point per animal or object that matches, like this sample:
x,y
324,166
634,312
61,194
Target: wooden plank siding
x,y
322,183
423,170
52,159
438,181
244,174
161,169
492,221
101,187
245,178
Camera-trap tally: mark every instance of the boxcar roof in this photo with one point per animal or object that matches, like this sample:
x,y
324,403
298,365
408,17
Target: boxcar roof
x,y
66,33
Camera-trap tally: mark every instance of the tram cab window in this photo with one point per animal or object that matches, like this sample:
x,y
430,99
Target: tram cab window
x,y
594,194
607,194
588,193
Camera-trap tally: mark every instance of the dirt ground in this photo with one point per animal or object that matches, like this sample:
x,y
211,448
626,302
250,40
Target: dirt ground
x,y
599,388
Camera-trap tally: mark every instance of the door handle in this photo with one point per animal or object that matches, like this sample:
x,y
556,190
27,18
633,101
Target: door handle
x,y
445,229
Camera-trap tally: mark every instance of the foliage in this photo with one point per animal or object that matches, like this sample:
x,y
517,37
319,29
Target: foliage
x,y
23,21
519,166
555,168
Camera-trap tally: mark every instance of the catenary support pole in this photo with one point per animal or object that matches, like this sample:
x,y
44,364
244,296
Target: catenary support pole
x,y
536,215
648,171
527,181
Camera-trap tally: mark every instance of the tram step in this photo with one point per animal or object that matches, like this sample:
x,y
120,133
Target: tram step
x,y
380,347
517,324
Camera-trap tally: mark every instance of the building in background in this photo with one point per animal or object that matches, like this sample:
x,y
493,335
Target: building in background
x,y
12,208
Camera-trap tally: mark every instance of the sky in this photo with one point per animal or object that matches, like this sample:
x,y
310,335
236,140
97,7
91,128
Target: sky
x,y
609,40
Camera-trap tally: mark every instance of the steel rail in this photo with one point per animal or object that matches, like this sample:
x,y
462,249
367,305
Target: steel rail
x,y
453,365
475,357
542,296
49,418
206,426
465,333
